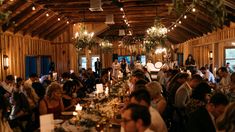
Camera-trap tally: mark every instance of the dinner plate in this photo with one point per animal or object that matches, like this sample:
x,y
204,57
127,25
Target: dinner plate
x,y
58,121
67,113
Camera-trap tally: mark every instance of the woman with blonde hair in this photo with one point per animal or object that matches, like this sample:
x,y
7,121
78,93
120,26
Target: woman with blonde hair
x,y
226,123
158,101
52,102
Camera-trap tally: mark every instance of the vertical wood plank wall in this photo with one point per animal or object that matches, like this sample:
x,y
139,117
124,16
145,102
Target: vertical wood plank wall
x,y
16,47
216,42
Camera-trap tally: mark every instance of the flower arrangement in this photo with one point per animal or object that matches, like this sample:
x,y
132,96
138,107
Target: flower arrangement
x,y
156,35
106,46
133,43
83,39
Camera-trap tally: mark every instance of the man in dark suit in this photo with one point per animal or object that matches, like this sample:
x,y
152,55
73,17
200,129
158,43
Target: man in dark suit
x,y
203,119
97,67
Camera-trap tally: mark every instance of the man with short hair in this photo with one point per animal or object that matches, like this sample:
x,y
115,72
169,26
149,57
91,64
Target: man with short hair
x,y
203,119
98,67
182,96
142,97
225,79
32,78
207,75
136,118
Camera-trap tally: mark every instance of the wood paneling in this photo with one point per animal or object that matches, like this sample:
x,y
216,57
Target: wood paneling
x,y
16,47
215,42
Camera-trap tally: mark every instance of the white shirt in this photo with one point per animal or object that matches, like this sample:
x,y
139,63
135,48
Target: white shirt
x,y
209,76
157,123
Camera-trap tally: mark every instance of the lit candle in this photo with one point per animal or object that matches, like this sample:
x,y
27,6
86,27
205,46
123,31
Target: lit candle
x,y
15,79
75,113
109,76
107,91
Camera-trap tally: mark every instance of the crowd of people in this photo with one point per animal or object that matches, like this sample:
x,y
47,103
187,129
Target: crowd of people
x,y
178,101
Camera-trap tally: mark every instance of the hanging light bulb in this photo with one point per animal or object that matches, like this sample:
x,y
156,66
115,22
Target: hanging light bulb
x,y
172,28
33,8
121,9
47,15
175,25
193,9
179,22
123,16
185,16
58,19
67,22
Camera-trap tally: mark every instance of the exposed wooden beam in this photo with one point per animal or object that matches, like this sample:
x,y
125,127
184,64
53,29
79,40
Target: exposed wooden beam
x,y
29,20
51,29
15,19
43,20
58,31
45,26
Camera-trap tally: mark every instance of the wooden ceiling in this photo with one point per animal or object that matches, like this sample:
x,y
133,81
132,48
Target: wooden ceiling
x,y
139,13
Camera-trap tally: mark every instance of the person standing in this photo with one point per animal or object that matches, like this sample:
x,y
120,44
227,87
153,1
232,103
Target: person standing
x,y
116,69
190,63
97,66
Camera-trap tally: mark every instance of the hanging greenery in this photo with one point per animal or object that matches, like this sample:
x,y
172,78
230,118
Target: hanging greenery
x,y
106,46
133,43
213,8
83,39
156,35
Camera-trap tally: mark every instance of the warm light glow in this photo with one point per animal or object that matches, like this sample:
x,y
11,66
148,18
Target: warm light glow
x,y
233,43
58,19
128,25
75,113
180,22
123,16
121,9
172,28
47,15
33,8
158,30
175,25
5,61
78,107
211,55
67,22
193,10
185,16
160,50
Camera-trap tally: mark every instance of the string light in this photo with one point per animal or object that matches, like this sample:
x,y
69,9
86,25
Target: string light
x,y
123,16
47,15
193,10
185,16
33,8
58,19
172,28
179,22
67,22
121,9
175,25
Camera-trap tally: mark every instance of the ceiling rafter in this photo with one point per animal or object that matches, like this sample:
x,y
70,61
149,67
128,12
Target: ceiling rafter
x,y
29,20
52,28
58,32
43,20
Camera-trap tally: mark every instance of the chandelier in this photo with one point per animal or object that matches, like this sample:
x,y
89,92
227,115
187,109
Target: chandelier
x,y
160,50
156,35
158,30
106,46
83,38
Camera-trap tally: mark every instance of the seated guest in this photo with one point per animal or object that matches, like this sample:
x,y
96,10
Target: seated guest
x,y
232,88
225,79
70,95
4,125
182,96
142,97
158,101
31,96
136,118
225,123
207,75
39,89
200,97
6,87
32,78
203,119
20,112
52,102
